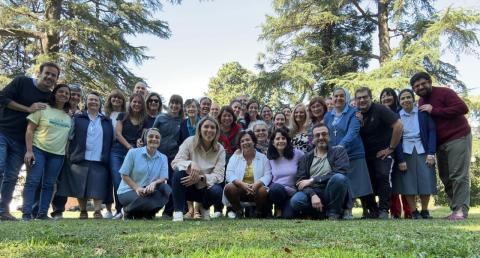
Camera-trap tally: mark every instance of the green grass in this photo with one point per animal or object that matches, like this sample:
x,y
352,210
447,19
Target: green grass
x,y
244,238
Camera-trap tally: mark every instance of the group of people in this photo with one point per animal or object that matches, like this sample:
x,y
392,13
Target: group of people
x,y
244,159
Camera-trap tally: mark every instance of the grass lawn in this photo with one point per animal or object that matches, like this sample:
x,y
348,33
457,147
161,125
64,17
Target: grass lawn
x,y
252,238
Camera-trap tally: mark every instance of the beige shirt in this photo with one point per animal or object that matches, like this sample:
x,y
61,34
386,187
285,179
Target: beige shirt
x,y
320,165
211,163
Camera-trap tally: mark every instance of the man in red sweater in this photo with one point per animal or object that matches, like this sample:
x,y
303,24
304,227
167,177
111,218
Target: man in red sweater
x,y
454,140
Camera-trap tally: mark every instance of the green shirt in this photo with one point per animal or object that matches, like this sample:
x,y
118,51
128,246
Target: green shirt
x,y
320,165
53,127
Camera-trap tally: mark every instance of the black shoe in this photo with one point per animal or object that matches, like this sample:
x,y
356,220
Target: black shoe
x,y
7,216
416,215
26,217
383,215
425,215
42,216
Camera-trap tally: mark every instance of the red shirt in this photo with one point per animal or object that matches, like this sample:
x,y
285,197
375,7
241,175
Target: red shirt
x,y
448,112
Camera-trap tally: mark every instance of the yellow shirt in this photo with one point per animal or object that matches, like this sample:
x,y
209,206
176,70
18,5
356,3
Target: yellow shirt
x,y
248,177
53,126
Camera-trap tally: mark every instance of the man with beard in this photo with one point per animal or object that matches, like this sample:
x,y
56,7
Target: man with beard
x,y
321,181
454,140
141,88
381,132
22,96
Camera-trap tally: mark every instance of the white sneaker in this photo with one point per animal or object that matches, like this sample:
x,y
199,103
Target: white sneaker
x,y
216,215
205,213
107,215
177,216
231,215
118,215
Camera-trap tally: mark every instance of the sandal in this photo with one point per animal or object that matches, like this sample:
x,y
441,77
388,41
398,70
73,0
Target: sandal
x,y
97,215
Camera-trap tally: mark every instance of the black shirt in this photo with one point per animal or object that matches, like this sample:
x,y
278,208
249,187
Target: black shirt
x,y
376,130
23,91
131,132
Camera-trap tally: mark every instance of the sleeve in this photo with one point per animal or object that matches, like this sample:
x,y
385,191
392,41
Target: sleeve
x,y
71,133
120,116
267,172
352,131
432,135
302,169
156,124
217,175
10,92
388,116
128,163
35,117
453,106
183,158
164,168
231,166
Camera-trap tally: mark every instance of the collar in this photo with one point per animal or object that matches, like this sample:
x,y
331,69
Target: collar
x,y
257,157
315,154
144,152
405,113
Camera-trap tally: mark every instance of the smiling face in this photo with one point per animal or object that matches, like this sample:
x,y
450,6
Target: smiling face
x,y
253,110
330,104
246,143
237,108
338,98
267,114
364,101
153,103
205,106
287,112
260,132
93,103
136,104
406,101
279,142
174,107
387,99
300,115
279,120
317,110
214,110
321,137
62,96
117,101
226,120
192,110
422,87
208,131
75,97
140,88
153,139
47,78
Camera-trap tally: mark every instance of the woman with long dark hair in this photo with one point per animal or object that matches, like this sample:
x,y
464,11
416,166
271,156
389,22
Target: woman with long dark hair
x,y
251,114
153,107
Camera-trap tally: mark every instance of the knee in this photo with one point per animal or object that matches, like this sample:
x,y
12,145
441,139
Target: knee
x,y
231,189
165,189
262,192
339,179
297,202
177,177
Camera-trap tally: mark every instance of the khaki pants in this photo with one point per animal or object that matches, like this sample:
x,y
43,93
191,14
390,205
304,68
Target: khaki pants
x,y
453,160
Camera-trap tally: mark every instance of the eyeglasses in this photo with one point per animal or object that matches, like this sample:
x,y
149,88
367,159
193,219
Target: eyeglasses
x,y
153,100
260,130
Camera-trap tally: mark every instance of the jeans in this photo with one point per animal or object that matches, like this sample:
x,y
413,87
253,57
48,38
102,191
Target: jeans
x,y
168,210
278,195
380,175
333,197
11,161
44,172
117,155
206,196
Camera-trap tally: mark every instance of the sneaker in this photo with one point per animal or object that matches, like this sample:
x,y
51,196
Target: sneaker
x,y
57,216
97,215
217,215
231,215
383,215
416,215
177,216
83,215
107,215
425,215
456,216
7,216
42,216
205,213
118,216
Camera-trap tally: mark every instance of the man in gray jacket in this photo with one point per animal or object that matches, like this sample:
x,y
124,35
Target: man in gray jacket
x,y
321,181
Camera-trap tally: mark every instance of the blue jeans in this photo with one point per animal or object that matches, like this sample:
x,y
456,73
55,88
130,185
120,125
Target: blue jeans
x,y
278,195
206,196
44,172
11,161
334,197
117,155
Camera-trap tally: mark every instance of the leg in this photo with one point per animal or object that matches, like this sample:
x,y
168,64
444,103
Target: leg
x,y
337,197
32,182
278,196
50,174
233,194
169,207
213,196
179,191
383,171
261,199
407,211
300,202
11,161
442,162
116,160
395,206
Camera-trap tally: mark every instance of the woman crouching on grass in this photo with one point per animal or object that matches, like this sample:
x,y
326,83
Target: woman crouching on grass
x,y
199,170
46,139
143,190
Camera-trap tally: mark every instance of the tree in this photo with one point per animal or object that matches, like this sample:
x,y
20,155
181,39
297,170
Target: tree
x,y
87,38
232,80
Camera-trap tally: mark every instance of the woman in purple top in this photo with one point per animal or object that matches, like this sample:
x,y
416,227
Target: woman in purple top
x,y
284,161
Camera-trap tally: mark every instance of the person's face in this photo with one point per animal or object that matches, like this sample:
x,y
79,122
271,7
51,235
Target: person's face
x,y
244,101
153,103
205,107
261,133
174,107
353,103
192,110
140,88
253,109
153,139
208,131
287,112
75,97
136,104
300,114
237,108
320,137
226,119
279,142
214,110
267,113
48,77
246,142
422,87
317,110
116,101
93,102
330,104
387,99
279,121
363,100
406,101
338,99
62,95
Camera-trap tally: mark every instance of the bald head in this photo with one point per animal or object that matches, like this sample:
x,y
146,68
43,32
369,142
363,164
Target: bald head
x,y
141,88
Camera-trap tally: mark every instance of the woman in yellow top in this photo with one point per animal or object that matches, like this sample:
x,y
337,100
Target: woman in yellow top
x,y
248,174
46,139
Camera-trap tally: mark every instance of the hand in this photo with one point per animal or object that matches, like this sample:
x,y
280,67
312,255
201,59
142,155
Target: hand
x,y
402,166
304,183
29,159
139,143
140,191
193,169
150,188
384,153
189,180
426,108
37,106
430,160
359,116
317,203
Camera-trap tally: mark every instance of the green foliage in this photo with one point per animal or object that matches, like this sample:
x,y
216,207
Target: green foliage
x,y
87,38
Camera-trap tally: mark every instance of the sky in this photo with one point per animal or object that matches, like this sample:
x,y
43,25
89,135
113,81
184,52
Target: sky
x,y
207,34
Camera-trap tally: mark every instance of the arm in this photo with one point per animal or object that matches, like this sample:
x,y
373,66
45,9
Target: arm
x,y
29,157
120,138
230,174
267,172
183,158
454,106
352,131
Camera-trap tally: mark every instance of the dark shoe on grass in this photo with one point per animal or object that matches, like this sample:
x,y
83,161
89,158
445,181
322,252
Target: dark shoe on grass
x,y
42,216
83,215
6,216
416,215
97,215
425,215
383,215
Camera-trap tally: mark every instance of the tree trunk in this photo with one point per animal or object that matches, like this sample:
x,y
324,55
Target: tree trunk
x,y
383,36
51,39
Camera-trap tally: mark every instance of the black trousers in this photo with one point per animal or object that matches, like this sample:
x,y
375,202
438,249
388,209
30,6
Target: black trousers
x,y
380,172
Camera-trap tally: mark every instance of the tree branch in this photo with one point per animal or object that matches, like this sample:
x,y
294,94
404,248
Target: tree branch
x,y
363,12
9,32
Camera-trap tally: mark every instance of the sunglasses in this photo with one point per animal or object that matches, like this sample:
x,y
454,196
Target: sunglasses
x,y
153,100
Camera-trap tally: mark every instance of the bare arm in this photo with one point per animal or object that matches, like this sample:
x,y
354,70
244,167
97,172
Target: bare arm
x,y
19,107
29,157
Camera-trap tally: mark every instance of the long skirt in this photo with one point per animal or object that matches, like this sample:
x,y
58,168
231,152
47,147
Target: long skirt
x,y
85,180
359,179
419,179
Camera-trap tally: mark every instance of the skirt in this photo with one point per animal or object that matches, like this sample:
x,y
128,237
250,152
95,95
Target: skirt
x,y
419,179
85,180
359,179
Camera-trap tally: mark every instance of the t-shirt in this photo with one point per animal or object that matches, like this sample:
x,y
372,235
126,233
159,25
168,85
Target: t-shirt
x,y
131,132
284,171
53,127
376,129
248,177
23,91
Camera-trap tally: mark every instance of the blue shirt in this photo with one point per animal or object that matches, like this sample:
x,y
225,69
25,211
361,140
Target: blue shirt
x,y
93,150
142,168
411,132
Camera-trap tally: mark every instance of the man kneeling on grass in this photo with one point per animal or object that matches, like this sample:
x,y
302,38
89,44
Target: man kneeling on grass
x,y
321,181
